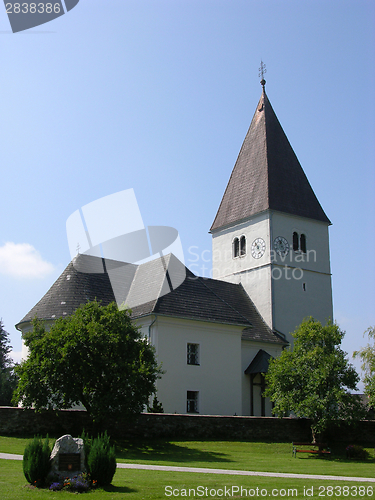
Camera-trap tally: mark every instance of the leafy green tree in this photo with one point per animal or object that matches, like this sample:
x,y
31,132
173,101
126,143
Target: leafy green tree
x,y
8,380
367,355
314,379
96,357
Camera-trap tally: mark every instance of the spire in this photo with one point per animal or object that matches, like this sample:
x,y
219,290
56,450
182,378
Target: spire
x,y
267,174
262,71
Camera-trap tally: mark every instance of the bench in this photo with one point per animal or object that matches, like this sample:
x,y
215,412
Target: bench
x,y
316,448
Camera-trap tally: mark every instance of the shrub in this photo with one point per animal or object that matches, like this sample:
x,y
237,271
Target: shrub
x,y
355,451
156,407
36,461
101,461
87,440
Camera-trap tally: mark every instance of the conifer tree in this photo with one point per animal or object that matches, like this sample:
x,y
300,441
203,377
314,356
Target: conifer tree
x,y
8,379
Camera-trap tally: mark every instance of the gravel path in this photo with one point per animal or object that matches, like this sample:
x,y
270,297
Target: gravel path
x,y
170,468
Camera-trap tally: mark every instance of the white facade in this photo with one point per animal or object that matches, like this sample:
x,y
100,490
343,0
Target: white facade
x,y
216,378
254,274
285,288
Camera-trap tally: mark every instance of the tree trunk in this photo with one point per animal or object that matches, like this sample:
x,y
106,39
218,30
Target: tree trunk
x,y
315,435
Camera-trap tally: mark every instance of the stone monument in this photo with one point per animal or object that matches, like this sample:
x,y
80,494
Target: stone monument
x,y
68,457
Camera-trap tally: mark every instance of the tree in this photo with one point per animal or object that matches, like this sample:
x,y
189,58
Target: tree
x,y
96,357
8,380
314,379
367,355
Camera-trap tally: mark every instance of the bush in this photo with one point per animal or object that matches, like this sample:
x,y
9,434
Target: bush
x,y
36,461
101,460
87,440
156,407
355,451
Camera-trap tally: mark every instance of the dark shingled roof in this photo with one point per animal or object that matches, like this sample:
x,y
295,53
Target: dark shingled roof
x,y
196,298
267,175
260,363
72,289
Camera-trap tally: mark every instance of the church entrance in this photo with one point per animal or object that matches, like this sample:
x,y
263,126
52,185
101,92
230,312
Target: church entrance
x,y
257,370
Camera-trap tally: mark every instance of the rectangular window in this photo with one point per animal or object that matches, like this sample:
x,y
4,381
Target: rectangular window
x,y
192,402
193,354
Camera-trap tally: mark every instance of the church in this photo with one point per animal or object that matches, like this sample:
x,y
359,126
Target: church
x,y
271,269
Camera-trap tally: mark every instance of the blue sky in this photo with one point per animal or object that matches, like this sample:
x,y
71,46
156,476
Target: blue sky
x,y
157,96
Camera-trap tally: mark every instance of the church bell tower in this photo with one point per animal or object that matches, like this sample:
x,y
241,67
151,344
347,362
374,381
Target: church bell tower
x,y
270,232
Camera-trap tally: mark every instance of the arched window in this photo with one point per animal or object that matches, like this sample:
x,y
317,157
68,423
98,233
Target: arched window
x,y
303,243
242,246
295,241
236,247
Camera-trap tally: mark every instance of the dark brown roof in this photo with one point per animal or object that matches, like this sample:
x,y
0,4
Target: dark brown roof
x,y
267,175
75,286
196,298
260,363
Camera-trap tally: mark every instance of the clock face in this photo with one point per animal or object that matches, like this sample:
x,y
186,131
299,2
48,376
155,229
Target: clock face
x,y
281,246
258,248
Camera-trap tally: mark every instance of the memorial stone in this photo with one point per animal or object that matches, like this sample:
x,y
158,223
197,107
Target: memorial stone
x,y
68,457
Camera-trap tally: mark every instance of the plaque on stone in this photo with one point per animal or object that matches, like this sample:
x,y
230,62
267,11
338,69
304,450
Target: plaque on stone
x,y
69,461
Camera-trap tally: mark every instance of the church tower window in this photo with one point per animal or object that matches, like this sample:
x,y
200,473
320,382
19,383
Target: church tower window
x,y
295,242
242,246
303,243
236,247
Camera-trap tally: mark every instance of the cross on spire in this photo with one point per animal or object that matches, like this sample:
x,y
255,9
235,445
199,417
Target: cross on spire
x,y
262,71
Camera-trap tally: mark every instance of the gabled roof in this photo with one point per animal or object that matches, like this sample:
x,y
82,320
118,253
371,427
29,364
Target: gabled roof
x,y
260,363
267,175
196,298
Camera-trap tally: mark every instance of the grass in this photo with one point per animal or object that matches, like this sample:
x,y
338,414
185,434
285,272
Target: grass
x,y
140,484
144,485
236,455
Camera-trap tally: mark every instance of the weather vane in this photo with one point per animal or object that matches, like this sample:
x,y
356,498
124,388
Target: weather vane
x,y
262,71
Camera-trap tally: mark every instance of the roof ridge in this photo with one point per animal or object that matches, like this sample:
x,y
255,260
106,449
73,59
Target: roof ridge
x,y
134,281
225,302
266,146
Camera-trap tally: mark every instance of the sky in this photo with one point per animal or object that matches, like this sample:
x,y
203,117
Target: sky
x,y
157,95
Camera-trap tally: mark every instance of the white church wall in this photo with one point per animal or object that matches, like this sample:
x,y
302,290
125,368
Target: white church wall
x,y
295,300
301,282
224,265
254,274
257,283
217,377
317,242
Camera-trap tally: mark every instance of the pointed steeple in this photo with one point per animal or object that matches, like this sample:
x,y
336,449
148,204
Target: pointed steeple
x,y
267,175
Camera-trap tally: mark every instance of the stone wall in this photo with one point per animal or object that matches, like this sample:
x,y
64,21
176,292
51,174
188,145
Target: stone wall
x,y
18,421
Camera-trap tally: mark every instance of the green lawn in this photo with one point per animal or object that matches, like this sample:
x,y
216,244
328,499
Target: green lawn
x,y
137,485
266,457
